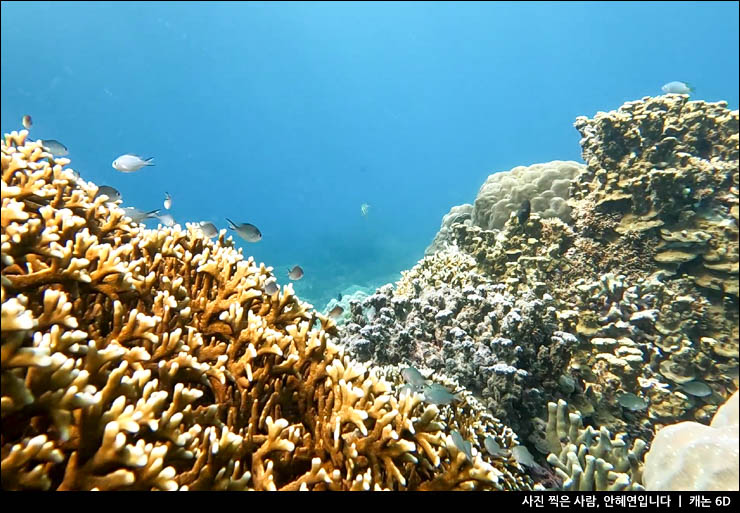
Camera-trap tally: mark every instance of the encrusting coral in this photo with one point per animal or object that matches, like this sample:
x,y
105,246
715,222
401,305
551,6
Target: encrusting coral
x,y
154,359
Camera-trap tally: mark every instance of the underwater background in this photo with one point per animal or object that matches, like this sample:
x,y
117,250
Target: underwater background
x,y
290,116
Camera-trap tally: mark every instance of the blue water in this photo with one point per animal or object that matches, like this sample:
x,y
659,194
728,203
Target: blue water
x,y
291,115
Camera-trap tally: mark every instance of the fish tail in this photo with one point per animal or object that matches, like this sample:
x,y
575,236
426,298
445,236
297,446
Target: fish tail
x,y
231,223
153,212
149,161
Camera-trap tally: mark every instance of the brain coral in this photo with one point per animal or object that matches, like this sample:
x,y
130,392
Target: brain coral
x,y
154,359
544,185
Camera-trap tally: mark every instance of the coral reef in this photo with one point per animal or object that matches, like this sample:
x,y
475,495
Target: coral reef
x,y
669,167
445,315
645,326
638,280
154,359
694,457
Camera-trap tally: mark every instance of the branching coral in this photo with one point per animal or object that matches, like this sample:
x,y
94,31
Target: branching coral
x,y
589,460
154,359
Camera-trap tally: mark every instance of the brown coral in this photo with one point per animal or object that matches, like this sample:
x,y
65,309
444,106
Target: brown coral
x,y
154,359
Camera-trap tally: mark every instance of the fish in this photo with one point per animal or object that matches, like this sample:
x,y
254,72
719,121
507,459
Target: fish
x,y
271,287
336,312
677,87
167,200
54,147
462,445
697,389
339,296
364,209
130,163
208,229
413,377
27,122
631,401
296,273
438,394
139,216
246,231
523,456
111,192
524,210
493,448
167,220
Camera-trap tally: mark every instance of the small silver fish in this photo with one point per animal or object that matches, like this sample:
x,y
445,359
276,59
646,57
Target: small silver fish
x,y
271,287
167,200
54,147
697,389
364,209
336,312
462,445
27,122
413,377
296,273
139,216
523,456
677,87
631,401
166,220
130,163
493,448
246,231
438,394
111,192
208,229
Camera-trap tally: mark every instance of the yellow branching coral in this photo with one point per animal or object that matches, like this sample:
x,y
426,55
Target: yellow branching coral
x,y
154,359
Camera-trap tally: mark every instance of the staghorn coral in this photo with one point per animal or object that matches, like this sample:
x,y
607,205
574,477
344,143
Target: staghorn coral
x,y
154,359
